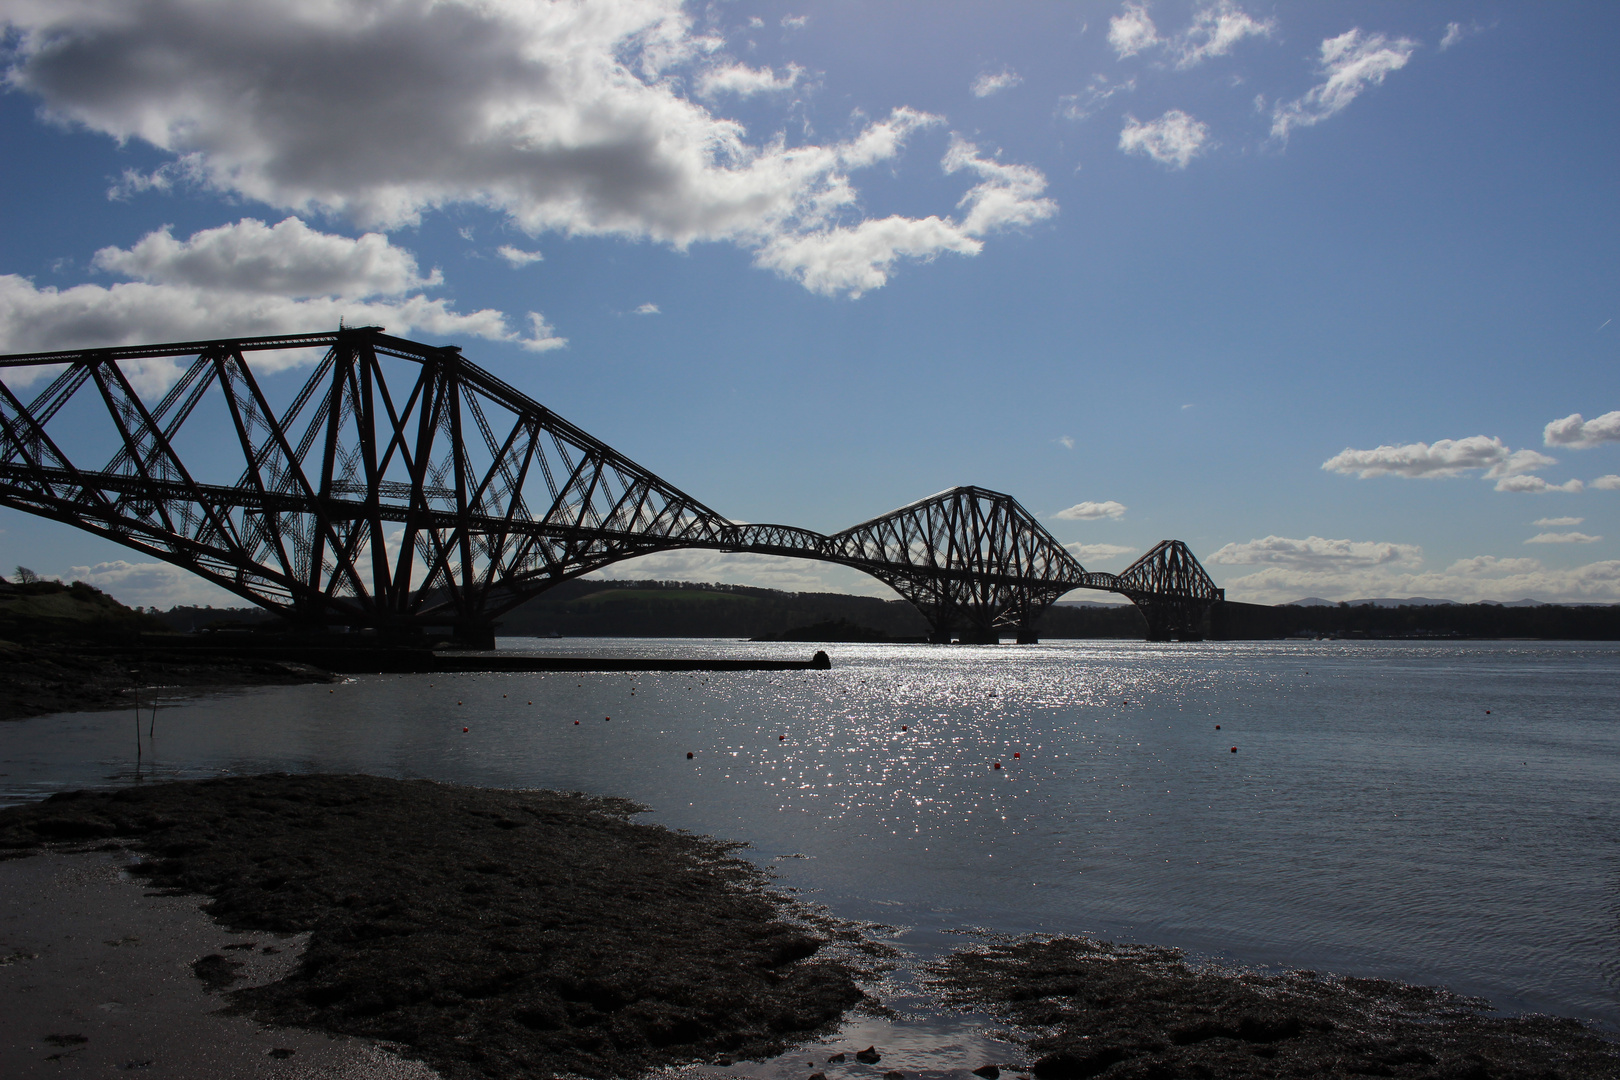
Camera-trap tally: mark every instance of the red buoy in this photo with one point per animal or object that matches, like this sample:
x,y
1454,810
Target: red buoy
x,y
606,718
1015,753
998,765
902,727
781,738
463,730
576,723
689,755
1217,727
1234,749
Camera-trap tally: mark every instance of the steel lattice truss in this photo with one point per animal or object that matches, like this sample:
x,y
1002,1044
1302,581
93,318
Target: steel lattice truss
x,y
403,487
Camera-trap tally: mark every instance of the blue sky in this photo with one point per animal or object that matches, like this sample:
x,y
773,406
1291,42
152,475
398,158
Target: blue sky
x,y
1324,289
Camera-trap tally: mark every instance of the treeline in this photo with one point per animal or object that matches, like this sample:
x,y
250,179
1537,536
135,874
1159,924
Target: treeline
x,y
584,608
1234,621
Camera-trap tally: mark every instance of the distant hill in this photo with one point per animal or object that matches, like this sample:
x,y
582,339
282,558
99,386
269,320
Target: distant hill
x,y
1418,618
51,610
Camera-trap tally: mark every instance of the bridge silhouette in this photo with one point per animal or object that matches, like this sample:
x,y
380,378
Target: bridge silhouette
x,y
404,489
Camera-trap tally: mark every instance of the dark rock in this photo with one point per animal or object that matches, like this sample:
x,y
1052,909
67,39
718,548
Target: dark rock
x,y
216,972
869,1056
989,1072
835,1059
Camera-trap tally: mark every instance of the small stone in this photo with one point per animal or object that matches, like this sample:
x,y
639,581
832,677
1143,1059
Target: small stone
x,y
281,1053
989,1072
835,1059
818,1076
869,1056
894,1074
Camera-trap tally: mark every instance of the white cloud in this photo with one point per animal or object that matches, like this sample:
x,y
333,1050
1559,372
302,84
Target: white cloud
x,y
1352,62
1173,139
1557,522
1316,553
1491,566
153,584
1096,94
285,259
1580,434
648,309
1066,441
1092,511
565,116
542,335
1445,457
993,83
1098,552
795,22
1215,30
761,571
1563,538
1535,485
517,257
1349,570
238,279
744,81
1132,31
1506,579
1610,482
854,259
1455,32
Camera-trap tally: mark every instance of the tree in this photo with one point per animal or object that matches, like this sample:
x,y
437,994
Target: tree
x,y
26,576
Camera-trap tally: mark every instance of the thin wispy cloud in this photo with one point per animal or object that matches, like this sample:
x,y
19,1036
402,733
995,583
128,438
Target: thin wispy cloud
x,y
1066,442
1563,538
648,309
1096,94
1557,522
1098,552
1215,30
1352,63
1174,139
995,82
1456,32
1092,511
517,257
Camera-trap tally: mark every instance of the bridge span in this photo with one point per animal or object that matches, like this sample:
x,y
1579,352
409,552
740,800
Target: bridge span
x,y
403,488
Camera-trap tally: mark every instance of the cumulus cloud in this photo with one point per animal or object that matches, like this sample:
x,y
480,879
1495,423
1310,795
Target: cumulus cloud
x,y
517,257
153,584
1092,511
1581,434
1563,538
1351,63
1132,31
1096,94
1215,30
1557,522
1097,552
853,259
1350,569
1611,482
1173,139
1445,457
744,81
566,116
244,278
995,82
1316,553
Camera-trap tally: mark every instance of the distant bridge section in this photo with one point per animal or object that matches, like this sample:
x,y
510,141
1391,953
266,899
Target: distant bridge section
x,y
404,488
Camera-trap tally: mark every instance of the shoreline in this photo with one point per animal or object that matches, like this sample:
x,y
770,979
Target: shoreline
x,y
501,933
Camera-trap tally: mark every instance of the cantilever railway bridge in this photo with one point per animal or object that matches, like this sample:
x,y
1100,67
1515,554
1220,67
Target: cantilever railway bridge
x,y
404,488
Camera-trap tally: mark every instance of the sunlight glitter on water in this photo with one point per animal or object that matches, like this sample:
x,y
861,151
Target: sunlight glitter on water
x,y
1374,820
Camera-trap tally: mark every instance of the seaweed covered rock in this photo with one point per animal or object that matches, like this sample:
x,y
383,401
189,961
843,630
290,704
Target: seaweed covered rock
x,y
1092,1008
